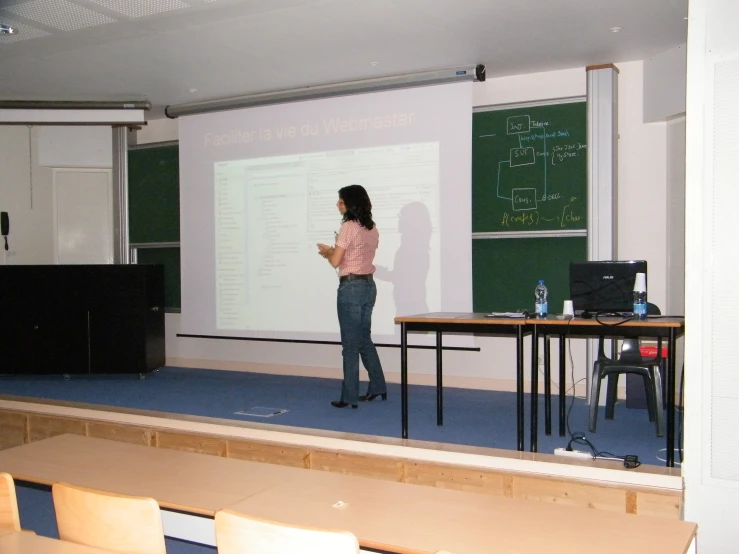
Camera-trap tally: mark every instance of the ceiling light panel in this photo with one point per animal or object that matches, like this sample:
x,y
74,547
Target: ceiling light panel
x,y
21,32
60,14
141,8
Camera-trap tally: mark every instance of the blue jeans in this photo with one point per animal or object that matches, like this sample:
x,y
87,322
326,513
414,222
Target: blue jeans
x,y
354,303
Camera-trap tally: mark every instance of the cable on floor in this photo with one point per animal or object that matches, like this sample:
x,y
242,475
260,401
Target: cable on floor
x,y
630,461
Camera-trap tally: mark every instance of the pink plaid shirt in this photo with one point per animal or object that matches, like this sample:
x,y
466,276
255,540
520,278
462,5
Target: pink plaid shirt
x,y
359,246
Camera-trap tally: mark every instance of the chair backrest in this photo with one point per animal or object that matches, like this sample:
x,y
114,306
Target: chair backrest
x,y
9,519
630,351
240,534
127,524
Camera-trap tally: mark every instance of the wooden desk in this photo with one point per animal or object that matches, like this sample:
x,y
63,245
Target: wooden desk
x,y
669,328
398,517
26,543
411,519
194,483
459,323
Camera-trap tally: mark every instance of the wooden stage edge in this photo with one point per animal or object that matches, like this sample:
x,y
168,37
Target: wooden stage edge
x,y
603,485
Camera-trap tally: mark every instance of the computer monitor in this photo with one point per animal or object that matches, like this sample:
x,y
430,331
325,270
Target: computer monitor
x,y
604,286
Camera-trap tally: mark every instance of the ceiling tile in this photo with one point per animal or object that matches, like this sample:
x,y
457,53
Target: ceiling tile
x,y
141,8
60,14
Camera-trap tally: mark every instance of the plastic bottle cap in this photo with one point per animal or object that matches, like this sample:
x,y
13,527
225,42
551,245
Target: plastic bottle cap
x,y
541,281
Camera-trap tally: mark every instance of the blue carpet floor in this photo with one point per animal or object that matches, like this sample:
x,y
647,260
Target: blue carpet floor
x,y
471,417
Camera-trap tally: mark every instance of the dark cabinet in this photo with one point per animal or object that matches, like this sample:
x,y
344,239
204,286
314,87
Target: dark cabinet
x,y
58,342
81,319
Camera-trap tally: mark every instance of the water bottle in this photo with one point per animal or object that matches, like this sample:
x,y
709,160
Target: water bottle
x,y
640,304
540,300
640,296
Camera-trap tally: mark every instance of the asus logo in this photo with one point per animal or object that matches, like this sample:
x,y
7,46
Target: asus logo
x,y
607,277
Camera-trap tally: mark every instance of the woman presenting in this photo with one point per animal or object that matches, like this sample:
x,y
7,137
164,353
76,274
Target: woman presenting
x,y
354,254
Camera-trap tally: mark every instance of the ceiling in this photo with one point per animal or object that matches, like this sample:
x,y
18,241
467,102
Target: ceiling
x,y
177,51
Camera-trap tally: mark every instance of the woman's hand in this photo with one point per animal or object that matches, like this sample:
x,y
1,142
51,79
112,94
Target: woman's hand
x,y
334,254
324,250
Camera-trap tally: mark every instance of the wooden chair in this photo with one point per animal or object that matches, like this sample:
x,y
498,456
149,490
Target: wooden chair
x,y
116,522
240,534
9,518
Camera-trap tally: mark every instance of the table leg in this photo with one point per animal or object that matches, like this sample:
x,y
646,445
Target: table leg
x,y
562,385
547,388
439,386
534,388
404,379
670,388
519,388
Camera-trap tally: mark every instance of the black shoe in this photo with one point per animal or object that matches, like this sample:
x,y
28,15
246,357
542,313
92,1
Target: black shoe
x,y
341,404
371,397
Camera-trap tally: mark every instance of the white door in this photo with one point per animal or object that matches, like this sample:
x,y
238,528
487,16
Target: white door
x,y
83,216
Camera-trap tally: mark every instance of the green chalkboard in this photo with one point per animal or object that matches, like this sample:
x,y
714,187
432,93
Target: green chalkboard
x,y
154,212
154,194
505,271
170,259
529,168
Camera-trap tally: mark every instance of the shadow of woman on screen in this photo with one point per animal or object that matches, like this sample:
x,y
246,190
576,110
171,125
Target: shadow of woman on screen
x,y
412,260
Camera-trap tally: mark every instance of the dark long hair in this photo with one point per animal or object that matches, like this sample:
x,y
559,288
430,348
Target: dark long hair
x,y
358,205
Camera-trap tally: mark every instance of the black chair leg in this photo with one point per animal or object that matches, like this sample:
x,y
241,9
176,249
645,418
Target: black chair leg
x,y
659,407
649,391
594,396
611,390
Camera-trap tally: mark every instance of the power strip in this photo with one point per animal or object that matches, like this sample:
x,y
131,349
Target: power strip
x,y
573,453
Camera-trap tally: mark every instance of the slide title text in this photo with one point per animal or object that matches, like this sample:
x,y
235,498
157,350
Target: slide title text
x,y
329,126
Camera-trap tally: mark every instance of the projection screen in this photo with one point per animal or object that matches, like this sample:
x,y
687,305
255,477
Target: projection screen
x,y
258,190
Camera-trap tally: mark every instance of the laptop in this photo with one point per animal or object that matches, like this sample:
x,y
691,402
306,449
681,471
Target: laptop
x,y
599,287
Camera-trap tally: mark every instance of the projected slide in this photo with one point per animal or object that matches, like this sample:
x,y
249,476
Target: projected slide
x,y
271,212
258,190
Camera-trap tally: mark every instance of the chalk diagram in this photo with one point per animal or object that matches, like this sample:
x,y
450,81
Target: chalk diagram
x,y
523,199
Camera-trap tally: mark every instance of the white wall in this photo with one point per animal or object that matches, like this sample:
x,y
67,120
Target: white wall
x,y
642,182
26,186
158,130
78,146
676,216
712,269
26,194
530,87
664,84
642,188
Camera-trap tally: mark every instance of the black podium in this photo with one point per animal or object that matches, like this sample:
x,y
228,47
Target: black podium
x,y
89,319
